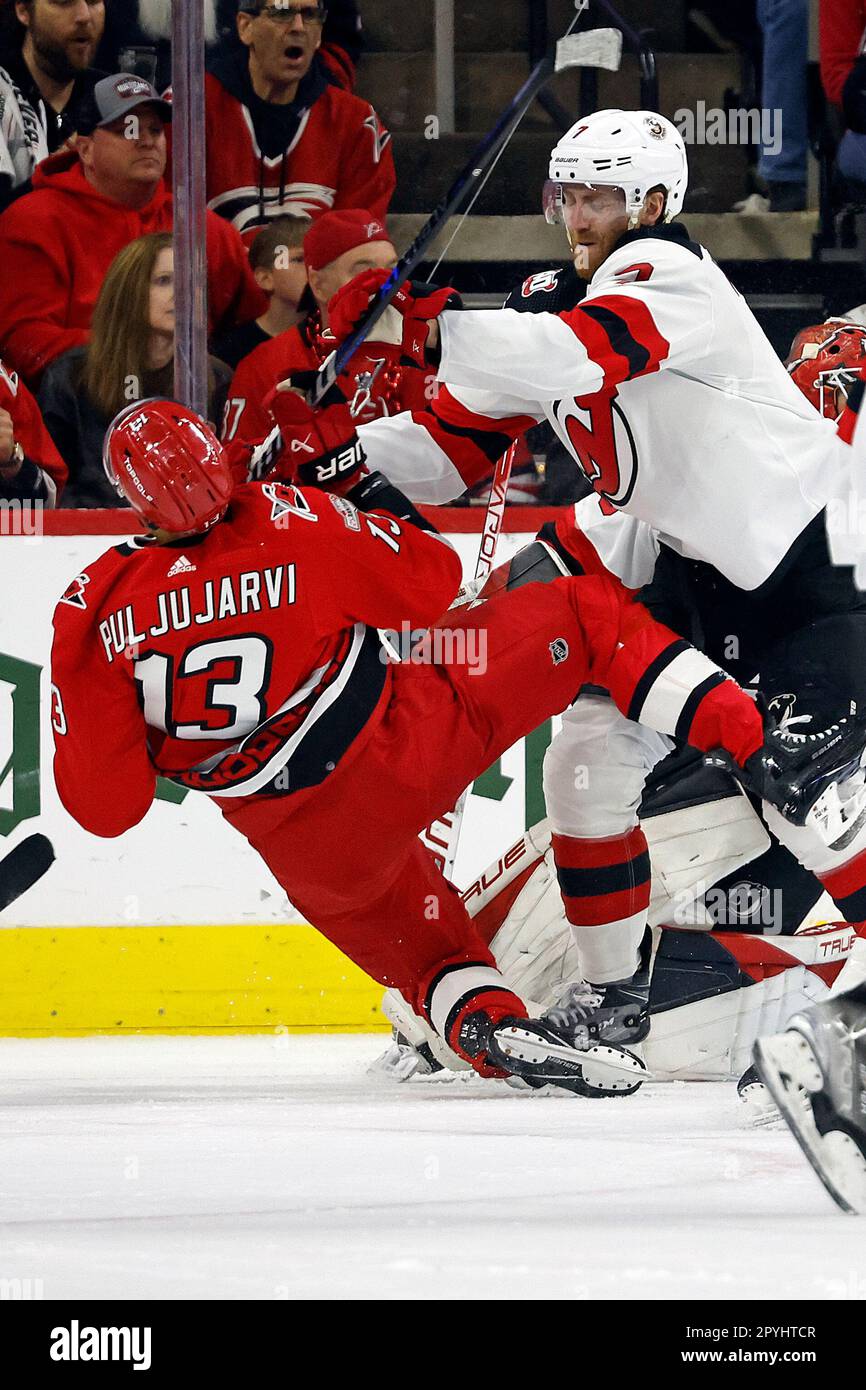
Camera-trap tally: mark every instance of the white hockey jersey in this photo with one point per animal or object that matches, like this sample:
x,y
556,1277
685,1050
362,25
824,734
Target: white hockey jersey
x,y
664,389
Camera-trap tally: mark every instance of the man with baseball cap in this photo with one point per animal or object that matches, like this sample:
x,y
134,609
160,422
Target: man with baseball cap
x,y
115,97
57,242
337,247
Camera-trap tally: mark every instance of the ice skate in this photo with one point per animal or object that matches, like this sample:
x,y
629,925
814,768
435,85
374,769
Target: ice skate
x,y
539,1054
612,1013
816,1073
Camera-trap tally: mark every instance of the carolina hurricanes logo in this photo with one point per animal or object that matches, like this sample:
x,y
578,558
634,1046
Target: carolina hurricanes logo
x,y
286,500
74,594
599,436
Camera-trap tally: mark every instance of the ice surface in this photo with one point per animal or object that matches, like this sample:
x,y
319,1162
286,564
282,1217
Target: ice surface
x,y
274,1167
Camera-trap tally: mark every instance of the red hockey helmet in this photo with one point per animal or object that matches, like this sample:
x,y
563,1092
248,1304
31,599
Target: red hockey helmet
x,y
168,465
826,359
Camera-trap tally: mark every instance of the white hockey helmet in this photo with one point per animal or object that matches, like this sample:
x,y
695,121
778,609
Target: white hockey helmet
x,y
632,150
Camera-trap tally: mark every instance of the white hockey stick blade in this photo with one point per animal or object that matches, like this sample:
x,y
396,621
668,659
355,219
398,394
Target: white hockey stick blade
x,y
597,48
791,1072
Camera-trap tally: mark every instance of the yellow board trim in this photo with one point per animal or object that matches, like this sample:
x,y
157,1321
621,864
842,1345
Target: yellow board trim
x,y
70,981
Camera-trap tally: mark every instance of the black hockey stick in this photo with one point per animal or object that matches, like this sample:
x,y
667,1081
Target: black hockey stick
x,y
599,48
24,866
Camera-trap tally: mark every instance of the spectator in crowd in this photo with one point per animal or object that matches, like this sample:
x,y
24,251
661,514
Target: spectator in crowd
x,y
843,76
146,25
46,55
277,261
31,469
129,356
338,246
281,137
57,242
782,161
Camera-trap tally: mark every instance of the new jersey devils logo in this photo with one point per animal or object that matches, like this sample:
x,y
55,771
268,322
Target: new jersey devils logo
x,y
597,433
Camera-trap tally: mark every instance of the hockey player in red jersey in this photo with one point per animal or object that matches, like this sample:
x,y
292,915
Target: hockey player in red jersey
x,y
711,476
236,651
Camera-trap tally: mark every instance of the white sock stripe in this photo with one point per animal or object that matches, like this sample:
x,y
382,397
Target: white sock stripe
x,y
668,694
458,984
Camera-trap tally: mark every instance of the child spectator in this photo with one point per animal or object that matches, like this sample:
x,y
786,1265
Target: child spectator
x,y
277,262
57,242
31,469
338,246
281,137
46,56
129,356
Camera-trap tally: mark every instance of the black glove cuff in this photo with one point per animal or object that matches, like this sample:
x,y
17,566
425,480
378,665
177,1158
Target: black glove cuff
x,y
374,493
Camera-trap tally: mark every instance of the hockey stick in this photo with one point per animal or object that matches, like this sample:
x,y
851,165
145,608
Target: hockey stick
x,y
597,48
24,866
450,825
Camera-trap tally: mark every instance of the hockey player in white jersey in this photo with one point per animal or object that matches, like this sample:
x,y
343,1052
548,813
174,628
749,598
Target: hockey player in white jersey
x,y
710,475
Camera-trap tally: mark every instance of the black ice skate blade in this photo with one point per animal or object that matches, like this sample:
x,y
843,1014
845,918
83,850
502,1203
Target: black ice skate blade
x,y
597,1072
790,1071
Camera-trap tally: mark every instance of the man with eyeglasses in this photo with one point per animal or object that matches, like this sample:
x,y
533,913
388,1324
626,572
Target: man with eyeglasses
x,y
281,137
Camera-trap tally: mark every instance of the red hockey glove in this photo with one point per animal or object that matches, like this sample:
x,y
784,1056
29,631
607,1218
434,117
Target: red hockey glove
x,y
321,447
416,303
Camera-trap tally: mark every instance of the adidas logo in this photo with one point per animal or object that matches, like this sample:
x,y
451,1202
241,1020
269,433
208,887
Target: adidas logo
x,y
181,566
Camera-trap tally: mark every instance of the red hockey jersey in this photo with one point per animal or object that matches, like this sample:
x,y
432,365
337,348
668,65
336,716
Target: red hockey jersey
x,y
239,662
337,154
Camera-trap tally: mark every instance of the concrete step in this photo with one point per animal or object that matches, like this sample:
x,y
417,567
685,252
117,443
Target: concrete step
x,y
784,236
401,86
482,24
427,168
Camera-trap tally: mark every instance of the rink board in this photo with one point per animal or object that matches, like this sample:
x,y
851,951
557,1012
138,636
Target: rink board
x,y
177,926
192,979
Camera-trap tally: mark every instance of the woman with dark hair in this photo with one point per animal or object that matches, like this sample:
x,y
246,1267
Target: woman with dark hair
x,y
129,357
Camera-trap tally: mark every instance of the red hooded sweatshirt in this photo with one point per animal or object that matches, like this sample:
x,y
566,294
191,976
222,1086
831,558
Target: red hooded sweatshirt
x,y
56,245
